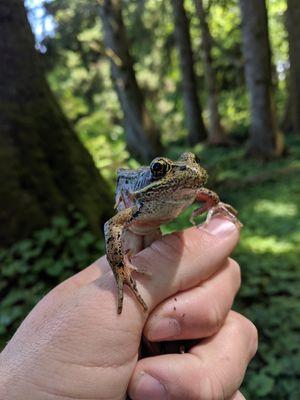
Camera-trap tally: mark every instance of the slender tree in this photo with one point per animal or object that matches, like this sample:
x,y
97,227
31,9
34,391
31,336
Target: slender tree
x,y
44,168
293,28
142,137
265,139
193,111
216,133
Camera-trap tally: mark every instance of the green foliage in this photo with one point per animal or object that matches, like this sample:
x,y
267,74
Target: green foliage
x,y
32,267
269,255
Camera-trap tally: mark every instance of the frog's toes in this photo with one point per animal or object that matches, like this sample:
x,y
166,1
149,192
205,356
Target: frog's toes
x,y
132,267
226,210
192,219
130,282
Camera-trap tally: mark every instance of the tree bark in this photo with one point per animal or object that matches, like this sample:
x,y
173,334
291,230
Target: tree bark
x,y
216,133
286,124
44,168
265,139
193,111
142,137
293,28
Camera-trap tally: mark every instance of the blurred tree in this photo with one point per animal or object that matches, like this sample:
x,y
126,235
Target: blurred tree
x,y
66,45
293,28
142,136
44,168
193,111
265,139
216,134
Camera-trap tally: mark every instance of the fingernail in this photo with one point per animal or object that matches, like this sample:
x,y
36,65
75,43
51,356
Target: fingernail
x,y
165,328
148,388
238,396
220,227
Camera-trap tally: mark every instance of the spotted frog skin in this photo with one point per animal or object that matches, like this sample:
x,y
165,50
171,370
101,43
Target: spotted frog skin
x,y
146,198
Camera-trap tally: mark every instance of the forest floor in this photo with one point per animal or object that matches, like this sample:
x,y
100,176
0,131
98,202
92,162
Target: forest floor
x,y
267,198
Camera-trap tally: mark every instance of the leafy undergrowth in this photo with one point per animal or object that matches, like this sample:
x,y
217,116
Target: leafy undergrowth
x,y
269,255
32,267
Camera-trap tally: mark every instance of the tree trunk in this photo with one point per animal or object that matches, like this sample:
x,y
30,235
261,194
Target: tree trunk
x,y
44,168
216,134
193,111
293,28
286,123
265,139
142,137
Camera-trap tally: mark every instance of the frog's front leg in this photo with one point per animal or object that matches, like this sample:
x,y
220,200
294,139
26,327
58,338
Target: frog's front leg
x,y
116,253
212,204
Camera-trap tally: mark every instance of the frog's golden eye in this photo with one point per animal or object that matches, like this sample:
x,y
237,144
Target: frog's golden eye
x,y
159,168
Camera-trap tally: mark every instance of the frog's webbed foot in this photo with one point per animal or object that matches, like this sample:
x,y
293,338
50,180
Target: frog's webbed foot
x,y
123,277
223,209
214,206
113,231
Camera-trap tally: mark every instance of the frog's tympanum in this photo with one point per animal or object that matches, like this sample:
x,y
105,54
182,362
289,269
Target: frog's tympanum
x,y
145,199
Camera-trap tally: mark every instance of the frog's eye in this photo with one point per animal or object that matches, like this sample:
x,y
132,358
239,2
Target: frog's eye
x,y
159,168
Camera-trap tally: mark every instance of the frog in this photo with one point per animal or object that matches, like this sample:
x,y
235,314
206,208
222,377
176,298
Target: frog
x,y
146,198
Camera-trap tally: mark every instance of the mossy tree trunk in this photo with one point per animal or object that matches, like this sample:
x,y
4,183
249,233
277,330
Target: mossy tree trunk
x,y
142,136
193,110
44,168
265,139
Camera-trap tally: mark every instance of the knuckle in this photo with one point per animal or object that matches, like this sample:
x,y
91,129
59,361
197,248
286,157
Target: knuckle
x,y
214,317
250,331
209,387
253,334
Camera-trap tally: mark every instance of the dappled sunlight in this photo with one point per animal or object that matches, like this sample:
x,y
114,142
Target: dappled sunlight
x,y
275,208
268,244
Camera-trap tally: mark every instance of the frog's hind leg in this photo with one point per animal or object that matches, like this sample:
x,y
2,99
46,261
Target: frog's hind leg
x,y
123,277
120,278
116,255
131,283
134,243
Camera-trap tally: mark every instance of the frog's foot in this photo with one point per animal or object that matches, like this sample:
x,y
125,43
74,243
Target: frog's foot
x,y
132,268
123,277
223,209
197,212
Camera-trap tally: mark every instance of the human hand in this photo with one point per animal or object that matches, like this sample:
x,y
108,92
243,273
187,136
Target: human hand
x,y
75,345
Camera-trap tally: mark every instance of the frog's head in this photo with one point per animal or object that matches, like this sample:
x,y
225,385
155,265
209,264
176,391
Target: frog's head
x,y
186,172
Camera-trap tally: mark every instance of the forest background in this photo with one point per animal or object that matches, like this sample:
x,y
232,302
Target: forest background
x,y
110,83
